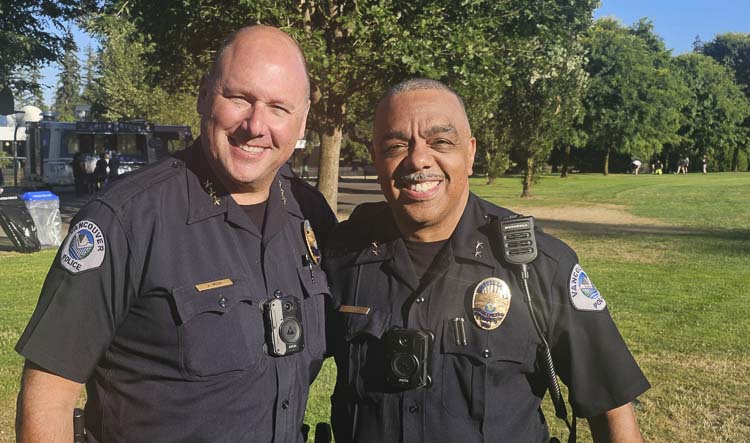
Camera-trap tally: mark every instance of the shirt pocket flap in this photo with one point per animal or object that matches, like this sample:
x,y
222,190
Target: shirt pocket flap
x,y
373,323
501,344
189,301
313,280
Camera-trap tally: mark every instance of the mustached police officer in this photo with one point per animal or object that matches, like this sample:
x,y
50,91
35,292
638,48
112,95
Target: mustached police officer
x,y
432,334
188,297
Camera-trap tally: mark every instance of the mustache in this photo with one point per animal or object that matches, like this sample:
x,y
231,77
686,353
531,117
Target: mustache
x,y
419,176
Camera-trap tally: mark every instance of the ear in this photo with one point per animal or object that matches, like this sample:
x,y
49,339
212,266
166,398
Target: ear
x,y
304,121
202,104
471,154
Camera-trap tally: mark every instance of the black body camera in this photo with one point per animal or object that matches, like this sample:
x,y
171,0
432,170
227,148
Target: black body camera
x,y
407,358
283,323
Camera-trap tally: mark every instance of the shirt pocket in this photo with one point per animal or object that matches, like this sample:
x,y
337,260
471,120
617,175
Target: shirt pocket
x,y
482,378
362,334
220,330
315,287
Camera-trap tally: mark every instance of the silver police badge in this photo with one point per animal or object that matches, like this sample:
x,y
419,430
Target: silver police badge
x,y
491,302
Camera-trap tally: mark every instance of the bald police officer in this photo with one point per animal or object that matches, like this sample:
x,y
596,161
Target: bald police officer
x,y
433,336
165,299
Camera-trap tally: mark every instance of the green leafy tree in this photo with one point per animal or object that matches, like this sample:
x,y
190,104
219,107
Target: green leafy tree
x,y
68,91
27,40
355,50
120,88
633,100
733,51
27,87
713,117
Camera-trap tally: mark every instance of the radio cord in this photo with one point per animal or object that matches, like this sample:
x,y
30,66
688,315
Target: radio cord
x,y
554,387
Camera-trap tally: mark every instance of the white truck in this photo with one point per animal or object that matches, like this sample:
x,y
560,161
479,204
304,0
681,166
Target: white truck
x,y
51,145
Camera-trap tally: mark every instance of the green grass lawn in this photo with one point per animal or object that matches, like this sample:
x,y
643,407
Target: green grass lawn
x,y
670,254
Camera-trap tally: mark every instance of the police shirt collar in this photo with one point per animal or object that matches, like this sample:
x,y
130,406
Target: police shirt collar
x,y
471,240
383,240
208,198
204,189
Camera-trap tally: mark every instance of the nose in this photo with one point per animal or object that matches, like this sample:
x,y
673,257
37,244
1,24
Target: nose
x,y
255,120
419,156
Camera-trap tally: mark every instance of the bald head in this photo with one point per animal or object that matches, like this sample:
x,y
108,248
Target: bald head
x,y
267,39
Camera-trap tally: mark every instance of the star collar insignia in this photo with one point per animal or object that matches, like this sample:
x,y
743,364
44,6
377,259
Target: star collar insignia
x,y
209,187
478,247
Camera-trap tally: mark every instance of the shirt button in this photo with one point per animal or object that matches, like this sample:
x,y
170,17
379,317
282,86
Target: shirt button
x,y
413,408
277,293
285,404
420,300
223,302
486,353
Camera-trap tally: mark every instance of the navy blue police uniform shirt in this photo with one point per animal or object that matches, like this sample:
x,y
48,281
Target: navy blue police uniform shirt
x,y
488,388
154,302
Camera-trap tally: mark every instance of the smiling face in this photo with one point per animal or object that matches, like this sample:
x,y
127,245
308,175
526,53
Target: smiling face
x,y
253,109
424,152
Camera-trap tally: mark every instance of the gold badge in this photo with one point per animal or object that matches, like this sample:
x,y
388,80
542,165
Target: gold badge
x,y
491,303
311,242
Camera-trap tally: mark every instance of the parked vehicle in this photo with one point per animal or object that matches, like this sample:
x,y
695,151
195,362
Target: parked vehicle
x,y
51,145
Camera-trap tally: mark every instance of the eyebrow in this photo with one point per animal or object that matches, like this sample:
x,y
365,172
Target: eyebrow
x,y
440,129
398,135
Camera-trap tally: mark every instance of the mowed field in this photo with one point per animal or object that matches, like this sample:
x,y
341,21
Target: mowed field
x,y
670,254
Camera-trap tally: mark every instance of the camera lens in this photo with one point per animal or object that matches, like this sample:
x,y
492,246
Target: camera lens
x,y
404,365
290,330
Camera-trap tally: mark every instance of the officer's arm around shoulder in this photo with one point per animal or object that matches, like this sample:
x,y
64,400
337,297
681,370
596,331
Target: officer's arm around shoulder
x,y
44,411
617,425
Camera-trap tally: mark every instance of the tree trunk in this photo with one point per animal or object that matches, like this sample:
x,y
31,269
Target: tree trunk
x,y
736,160
566,160
527,177
606,163
490,179
328,174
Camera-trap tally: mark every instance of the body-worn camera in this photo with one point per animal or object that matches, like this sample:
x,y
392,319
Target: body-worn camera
x,y
407,358
283,323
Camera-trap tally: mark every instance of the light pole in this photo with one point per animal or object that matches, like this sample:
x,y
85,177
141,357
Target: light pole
x,y
18,114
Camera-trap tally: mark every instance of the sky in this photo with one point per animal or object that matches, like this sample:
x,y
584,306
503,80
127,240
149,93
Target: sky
x,y
678,22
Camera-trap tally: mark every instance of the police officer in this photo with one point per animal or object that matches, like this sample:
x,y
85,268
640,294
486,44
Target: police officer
x,y
432,335
158,300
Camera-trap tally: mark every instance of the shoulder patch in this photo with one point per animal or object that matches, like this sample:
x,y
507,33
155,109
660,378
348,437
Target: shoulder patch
x,y
583,293
84,248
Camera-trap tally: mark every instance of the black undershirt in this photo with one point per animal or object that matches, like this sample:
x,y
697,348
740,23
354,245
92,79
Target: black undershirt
x,y
256,212
422,254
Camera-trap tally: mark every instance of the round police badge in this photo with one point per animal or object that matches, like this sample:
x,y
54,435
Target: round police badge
x,y
84,248
311,242
491,302
583,293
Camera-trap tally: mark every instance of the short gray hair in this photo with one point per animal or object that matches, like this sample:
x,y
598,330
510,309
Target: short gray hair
x,y
415,84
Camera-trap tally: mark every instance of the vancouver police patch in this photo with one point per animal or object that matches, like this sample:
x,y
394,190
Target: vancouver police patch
x,y
84,248
583,293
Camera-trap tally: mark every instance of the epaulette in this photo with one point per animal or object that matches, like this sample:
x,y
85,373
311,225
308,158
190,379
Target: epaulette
x,y
128,185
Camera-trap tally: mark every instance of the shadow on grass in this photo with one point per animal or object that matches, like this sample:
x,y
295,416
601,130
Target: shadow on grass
x,y
742,235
